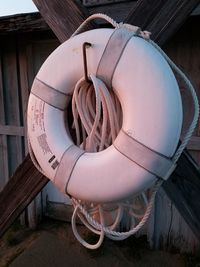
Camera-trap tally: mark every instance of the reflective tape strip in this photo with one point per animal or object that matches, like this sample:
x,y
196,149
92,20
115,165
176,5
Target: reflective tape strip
x,y
66,167
143,156
112,54
50,95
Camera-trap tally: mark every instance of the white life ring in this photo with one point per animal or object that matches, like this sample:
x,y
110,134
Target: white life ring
x,y
152,115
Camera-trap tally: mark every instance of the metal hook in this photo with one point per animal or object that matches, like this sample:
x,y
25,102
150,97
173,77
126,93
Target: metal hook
x,y
85,45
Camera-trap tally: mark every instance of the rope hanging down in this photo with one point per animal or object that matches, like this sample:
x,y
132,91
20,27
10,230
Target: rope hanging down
x,y
97,121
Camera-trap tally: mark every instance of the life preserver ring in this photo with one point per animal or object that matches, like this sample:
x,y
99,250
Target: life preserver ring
x,y
152,120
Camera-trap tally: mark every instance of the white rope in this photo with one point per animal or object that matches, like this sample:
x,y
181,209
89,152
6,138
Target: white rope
x,y
109,124
100,121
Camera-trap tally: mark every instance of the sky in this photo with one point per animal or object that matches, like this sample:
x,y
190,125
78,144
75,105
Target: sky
x,y
11,7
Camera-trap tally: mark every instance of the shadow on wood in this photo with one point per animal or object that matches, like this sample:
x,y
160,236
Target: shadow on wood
x,y
183,188
21,189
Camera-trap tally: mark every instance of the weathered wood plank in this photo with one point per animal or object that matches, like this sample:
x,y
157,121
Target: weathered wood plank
x,y
175,13
22,23
12,130
63,21
3,139
183,188
194,143
144,11
170,229
162,18
59,211
100,2
58,23
27,181
117,11
13,107
24,86
12,102
19,192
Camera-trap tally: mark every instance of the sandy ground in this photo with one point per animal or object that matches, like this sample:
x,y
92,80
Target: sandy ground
x,y
53,244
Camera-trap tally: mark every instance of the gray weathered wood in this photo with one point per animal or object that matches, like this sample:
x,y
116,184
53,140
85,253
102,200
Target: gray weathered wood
x,y
27,181
31,212
162,18
12,130
100,2
183,188
3,140
194,143
65,17
24,85
20,190
22,23
12,102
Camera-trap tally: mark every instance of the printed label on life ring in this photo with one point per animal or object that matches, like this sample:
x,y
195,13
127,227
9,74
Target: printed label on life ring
x,y
39,115
38,127
42,141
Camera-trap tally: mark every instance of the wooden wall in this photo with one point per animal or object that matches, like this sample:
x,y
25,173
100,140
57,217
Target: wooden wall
x,y
166,228
20,57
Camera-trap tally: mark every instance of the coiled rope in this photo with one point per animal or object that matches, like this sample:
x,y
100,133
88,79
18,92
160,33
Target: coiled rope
x,y
97,121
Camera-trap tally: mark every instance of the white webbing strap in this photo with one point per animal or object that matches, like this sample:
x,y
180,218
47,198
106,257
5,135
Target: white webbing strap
x,y
66,167
150,160
112,54
50,95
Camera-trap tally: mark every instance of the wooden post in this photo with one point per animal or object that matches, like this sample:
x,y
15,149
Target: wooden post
x,y
64,17
162,18
20,190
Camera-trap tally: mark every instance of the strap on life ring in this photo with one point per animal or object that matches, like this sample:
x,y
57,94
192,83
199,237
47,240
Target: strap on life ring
x,y
112,54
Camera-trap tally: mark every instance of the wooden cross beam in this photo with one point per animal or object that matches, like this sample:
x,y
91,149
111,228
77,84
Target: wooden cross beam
x,y
162,18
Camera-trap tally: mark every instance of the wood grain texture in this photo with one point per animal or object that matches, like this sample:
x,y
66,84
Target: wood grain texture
x,y
162,18
144,11
170,18
25,184
24,86
27,181
22,23
194,143
62,17
12,130
183,188
12,102
170,230
3,139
